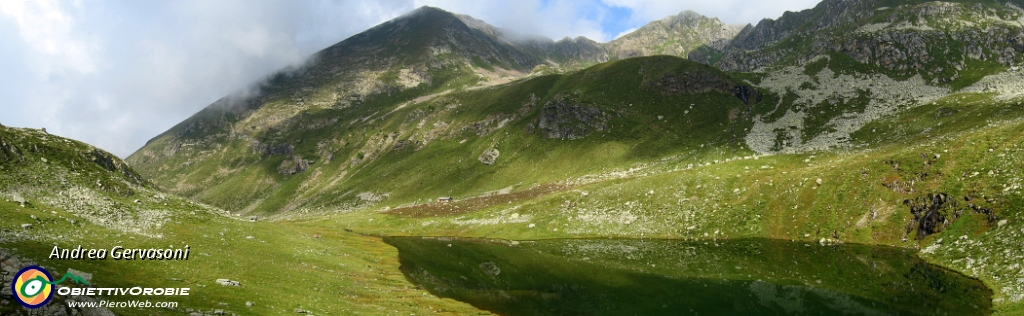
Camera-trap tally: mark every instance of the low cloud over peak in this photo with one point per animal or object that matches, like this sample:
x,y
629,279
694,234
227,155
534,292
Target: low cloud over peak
x,y
116,74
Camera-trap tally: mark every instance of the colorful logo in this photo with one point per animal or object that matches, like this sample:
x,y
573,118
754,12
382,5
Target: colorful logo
x,y
32,287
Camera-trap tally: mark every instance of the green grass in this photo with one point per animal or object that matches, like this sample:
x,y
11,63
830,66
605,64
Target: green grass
x,y
281,268
778,197
642,123
284,268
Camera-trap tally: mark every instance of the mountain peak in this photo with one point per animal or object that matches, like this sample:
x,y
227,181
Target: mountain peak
x,y
429,10
687,31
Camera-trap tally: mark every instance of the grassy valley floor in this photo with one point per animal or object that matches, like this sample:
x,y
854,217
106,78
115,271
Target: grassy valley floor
x,y
282,267
853,196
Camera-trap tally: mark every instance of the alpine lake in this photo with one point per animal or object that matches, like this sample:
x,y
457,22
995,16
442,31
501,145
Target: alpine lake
x,y
673,277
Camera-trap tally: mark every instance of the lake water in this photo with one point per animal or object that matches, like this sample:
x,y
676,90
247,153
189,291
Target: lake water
x,y
669,277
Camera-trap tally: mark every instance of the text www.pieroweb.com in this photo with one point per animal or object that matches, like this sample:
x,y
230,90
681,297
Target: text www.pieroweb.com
x,y
122,304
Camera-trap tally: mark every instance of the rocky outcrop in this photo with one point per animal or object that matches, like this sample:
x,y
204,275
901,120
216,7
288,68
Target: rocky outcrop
x,y
9,152
227,282
294,165
460,39
935,212
693,82
568,120
701,81
260,148
867,96
489,156
935,38
403,144
490,268
932,214
490,124
111,163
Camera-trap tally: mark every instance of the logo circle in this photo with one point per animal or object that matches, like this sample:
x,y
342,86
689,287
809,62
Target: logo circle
x,y
32,287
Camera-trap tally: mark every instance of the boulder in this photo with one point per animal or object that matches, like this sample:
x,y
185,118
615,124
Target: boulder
x,y
490,268
563,119
19,199
295,165
489,156
226,282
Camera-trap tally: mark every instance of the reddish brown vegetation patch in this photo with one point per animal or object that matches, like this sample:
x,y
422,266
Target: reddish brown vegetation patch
x,y
474,204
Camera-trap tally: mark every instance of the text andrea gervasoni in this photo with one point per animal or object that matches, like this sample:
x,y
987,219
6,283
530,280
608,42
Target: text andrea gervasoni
x,y
119,253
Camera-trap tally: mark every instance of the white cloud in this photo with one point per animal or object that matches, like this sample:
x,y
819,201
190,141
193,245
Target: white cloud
x,y
625,32
729,11
50,31
116,74
556,19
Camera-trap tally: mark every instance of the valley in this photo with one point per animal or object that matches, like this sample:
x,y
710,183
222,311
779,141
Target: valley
x,y
379,178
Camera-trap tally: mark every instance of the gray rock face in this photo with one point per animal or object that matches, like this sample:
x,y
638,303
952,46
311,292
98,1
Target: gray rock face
x,y
489,156
562,119
936,38
295,165
261,148
402,144
8,151
490,268
111,163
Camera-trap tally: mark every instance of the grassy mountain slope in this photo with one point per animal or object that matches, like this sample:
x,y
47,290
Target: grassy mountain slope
x,y
610,115
883,195
57,191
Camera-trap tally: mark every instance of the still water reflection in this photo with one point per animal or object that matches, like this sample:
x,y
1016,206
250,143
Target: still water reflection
x,y
669,277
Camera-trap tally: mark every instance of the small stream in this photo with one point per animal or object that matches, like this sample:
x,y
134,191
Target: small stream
x,y
672,277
